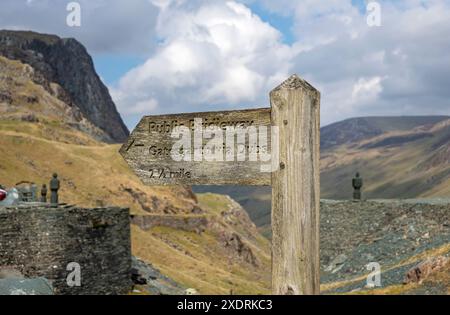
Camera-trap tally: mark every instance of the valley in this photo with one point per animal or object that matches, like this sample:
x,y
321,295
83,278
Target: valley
x,y
398,158
216,240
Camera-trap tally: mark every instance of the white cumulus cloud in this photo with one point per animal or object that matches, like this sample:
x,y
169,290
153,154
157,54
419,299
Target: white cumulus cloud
x,y
213,54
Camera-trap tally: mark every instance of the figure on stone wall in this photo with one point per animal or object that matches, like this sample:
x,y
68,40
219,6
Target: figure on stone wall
x,y
54,187
44,193
357,183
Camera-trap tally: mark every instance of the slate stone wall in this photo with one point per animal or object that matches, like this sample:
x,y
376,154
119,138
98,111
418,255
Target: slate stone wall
x,y
41,241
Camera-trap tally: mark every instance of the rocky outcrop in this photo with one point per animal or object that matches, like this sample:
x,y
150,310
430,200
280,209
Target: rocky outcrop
x,y
234,243
423,270
27,96
197,224
148,279
156,205
67,63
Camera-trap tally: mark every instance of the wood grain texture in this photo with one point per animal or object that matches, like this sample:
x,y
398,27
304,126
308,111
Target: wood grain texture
x,y
296,189
147,151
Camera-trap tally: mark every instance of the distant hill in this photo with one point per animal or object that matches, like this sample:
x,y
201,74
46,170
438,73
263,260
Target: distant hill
x,y
404,163
357,129
398,157
65,62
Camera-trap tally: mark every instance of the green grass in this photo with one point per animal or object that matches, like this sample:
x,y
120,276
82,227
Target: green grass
x,y
213,203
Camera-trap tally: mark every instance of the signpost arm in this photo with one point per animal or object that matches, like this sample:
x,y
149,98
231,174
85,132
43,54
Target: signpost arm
x,y
296,189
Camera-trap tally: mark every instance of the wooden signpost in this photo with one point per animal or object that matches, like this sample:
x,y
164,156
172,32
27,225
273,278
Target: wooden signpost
x,y
214,152
148,150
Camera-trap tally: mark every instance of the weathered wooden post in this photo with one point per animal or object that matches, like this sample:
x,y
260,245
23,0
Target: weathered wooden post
x,y
296,189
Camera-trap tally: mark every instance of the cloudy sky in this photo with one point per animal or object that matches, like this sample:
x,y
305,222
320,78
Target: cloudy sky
x,y
167,56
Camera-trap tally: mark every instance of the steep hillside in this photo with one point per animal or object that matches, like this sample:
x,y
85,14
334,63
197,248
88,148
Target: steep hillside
x,y
40,134
223,254
396,164
67,63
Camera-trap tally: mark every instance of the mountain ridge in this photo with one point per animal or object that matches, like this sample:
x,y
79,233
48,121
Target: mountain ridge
x,y
359,128
66,62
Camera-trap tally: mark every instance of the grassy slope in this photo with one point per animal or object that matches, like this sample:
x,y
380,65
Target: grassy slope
x,y
91,174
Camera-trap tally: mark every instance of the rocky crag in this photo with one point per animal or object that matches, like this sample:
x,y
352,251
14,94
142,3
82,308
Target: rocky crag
x,y
65,62
26,96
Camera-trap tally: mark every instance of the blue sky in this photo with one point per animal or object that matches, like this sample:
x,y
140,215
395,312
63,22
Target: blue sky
x,y
112,67
283,23
168,56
